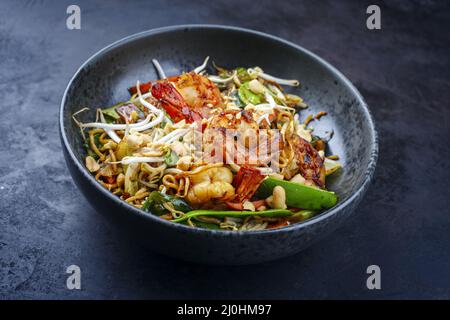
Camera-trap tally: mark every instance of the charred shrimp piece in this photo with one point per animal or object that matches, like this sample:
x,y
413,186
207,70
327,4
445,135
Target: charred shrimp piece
x,y
174,104
251,146
246,182
241,126
200,93
189,96
309,161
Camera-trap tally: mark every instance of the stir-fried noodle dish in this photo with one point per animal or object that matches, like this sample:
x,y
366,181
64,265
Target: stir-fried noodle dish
x,y
224,150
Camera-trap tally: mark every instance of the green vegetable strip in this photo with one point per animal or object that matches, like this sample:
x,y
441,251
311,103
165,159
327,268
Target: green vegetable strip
x,y
206,225
238,214
303,214
111,112
155,203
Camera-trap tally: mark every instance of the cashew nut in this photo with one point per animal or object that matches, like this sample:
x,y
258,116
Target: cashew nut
x,y
120,179
184,163
298,178
256,86
279,198
179,148
91,164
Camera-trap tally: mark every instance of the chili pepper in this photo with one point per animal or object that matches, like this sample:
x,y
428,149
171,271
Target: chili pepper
x,y
110,180
145,87
299,195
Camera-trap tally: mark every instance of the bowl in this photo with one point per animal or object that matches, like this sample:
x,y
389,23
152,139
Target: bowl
x,y
103,81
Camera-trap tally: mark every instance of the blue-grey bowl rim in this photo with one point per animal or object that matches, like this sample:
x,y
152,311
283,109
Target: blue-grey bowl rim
x,y
324,215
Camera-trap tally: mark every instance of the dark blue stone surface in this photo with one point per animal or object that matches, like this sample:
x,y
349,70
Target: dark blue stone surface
x,y
402,225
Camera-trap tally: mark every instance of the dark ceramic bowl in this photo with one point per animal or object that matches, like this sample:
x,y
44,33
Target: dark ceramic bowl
x,y
103,80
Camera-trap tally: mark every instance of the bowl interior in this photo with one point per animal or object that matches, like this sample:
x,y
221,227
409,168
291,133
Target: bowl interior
x,y
104,79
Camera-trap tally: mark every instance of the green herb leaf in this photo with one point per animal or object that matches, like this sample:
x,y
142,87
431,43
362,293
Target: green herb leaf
x,y
206,225
155,200
89,151
243,75
171,158
111,112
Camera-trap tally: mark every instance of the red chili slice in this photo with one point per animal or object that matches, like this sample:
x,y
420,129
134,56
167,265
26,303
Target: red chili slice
x,y
145,87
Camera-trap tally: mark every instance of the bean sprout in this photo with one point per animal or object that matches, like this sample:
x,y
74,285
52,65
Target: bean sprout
x,y
113,126
111,133
173,135
202,66
160,70
217,79
257,72
128,160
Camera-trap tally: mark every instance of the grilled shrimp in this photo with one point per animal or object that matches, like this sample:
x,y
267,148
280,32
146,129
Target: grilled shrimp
x,y
173,102
199,93
240,125
211,184
251,145
189,96
309,161
233,119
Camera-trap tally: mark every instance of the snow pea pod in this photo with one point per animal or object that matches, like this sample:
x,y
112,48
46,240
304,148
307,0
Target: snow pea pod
x,y
298,195
238,214
247,96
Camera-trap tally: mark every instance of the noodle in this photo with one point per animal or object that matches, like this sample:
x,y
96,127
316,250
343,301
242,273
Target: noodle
x,y
92,143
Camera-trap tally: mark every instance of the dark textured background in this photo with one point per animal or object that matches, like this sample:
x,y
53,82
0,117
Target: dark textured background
x,y
402,224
